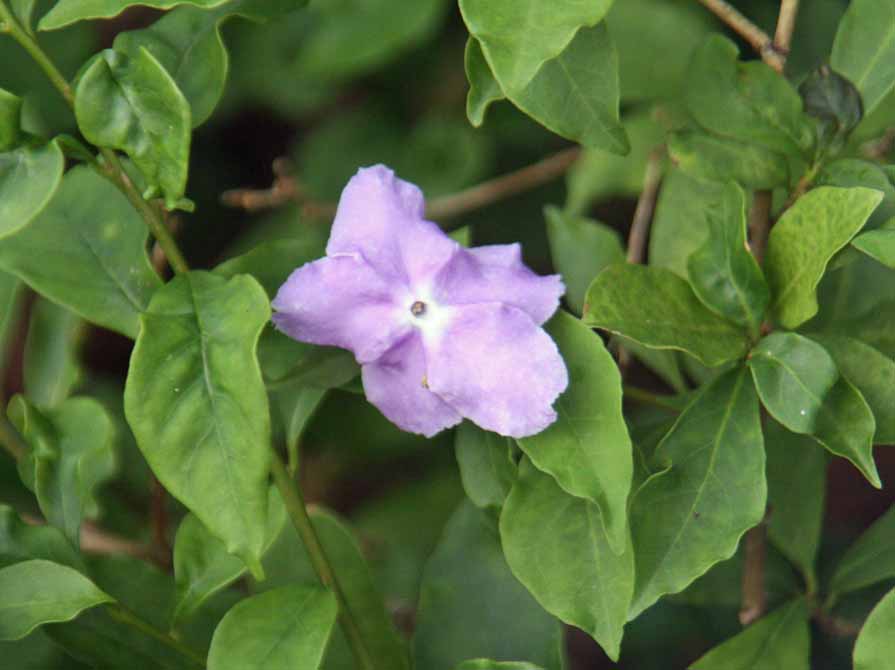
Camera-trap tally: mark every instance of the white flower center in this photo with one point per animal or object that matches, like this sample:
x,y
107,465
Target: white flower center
x,y
425,314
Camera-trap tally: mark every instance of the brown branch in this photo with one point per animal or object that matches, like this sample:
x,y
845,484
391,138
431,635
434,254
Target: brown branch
x,y
760,41
159,521
786,24
760,224
835,626
754,600
95,540
646,206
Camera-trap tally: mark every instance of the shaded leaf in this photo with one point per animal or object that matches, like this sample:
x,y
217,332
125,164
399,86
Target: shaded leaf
x,y
834,102
29,176
875,646
51,365
869,560
864,49
10,117
486,465
20,541
486,664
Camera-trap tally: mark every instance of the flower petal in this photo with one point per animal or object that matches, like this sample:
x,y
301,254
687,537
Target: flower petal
x,y
497,367
396,385
342,302
497,274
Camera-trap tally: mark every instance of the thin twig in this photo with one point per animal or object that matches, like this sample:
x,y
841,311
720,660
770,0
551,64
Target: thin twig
x,y
760,41
835,626
786,24
159,521
646,206
754,601
760,224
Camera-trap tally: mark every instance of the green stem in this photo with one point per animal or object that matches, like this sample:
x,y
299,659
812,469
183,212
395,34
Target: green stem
x,y
11,440
125,616
648,398
295,506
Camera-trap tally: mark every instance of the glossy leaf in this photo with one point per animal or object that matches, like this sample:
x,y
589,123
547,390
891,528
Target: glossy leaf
x,y
580,249
20,541
723,273
659,309
29,176
197,405
875,646
879,245
471,605
284,629
90,230
131,103
51,365
803,241
864,49
483,87
780,640
706,156
66,12
587,449
486,465
37,592
869,560
692,514
801,387
557,546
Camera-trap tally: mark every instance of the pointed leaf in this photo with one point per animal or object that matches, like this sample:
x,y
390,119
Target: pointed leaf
x,y
29,176
875,646
864,49
486,465
483,87
870,559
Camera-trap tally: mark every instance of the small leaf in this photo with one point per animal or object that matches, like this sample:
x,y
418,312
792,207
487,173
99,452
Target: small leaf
x,y
197,405
20,541
580,249
131,103
29,176
92,231
801,387
52,348
869,560
38,592
875,646
659,309
864,49
557,546
684,519
284,629
486,465
803,241
834,102
779,640
66,12
879,245
483,87
587,449
10,120
706,156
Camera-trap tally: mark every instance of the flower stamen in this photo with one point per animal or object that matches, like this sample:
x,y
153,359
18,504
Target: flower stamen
x,y
418,308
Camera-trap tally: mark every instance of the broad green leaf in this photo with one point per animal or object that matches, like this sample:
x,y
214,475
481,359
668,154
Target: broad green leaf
x,y
693,513
10,120
706,156
196,403
71,454
557,546
587,449
37,592
284,629
723,273
131,103
90,230
471,605
850,172
875,646
580,248
272,262
20,541
202,565
483,87
879,245
29,176
519,37
52,367
780,640
872,373
797,478
486,465
869,560
801,387
486,664
659,309
66,12
864,50
875,327
37,652
803,241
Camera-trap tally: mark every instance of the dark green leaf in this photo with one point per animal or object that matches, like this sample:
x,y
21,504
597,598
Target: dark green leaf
x,y
196,403
869,560
66,12
10,120
29,176
803,241
879,245
20,541
834,102
37,592
864,50
706,156
587,449
486,664
486,465
483,87
801,387
51,365
90,230
659,309
692,514
557,546
131,103
875,646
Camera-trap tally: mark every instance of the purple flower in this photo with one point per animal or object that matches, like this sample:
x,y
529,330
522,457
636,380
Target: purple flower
x,y
441,332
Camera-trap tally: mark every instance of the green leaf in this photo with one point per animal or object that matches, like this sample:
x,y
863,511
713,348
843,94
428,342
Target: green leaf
x,y
706,156
872,373
23,9
284,629
196,403
29,176
519,37
587,449
835,103
869,560
20,541
875,327
803,241
38,592
557,546
659,309
131,103
875,646
665,363
801,387
879,245
66,12
797,479
10,116
483,87
780,640
723,274
51,366
580,249
90,230
71,454
471,605
487,664
486,465
684,518
272,262
864,49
